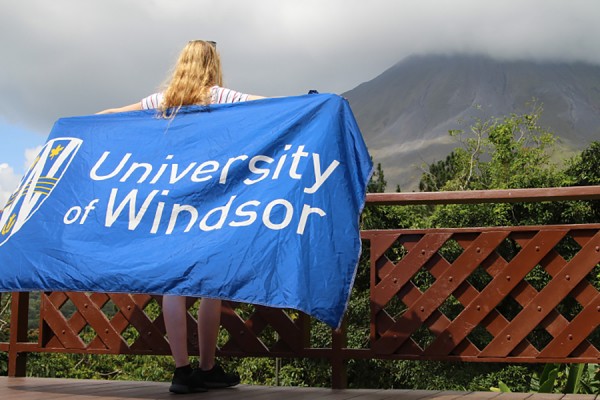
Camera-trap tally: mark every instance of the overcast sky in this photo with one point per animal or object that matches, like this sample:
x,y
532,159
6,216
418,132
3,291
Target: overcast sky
x,y
72,57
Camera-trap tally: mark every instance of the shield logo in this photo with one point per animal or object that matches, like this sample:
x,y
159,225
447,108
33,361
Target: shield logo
x,y
37,184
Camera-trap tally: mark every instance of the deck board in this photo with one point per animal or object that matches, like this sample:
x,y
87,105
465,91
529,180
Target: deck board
x,y
80,389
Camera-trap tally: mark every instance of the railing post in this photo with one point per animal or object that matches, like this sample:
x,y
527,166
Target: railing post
x,y
339,374
19,313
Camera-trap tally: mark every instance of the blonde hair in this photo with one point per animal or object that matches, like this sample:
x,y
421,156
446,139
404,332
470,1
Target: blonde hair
x,y
196,71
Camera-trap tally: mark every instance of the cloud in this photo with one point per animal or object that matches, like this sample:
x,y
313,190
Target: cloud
x,y
9,179
68,57
30,156
8,183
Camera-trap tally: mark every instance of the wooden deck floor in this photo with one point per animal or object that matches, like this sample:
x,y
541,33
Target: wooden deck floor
x,y
70,389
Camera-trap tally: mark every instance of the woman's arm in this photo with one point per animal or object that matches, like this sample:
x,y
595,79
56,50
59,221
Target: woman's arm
x,y
131,107
152,102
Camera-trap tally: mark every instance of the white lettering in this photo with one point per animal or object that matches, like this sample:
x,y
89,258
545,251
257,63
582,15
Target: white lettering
x,y
134,218
224,210
158,215
69,220
176,178
225,170
306,211
320,178
178,208
161,170
240,212
297,156
88,208
255,170
95,168
213,166
289,211
146,166
280,163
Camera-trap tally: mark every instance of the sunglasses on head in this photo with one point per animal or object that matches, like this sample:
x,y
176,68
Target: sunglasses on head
x,y
213,44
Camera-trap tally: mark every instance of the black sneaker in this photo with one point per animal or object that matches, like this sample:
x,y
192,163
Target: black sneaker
x,y
187,381
217,378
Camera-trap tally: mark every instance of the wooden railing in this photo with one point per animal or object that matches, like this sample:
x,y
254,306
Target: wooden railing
x,y
438,294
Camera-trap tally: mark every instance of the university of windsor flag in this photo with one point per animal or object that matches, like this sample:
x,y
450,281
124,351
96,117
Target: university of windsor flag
x,y
256,202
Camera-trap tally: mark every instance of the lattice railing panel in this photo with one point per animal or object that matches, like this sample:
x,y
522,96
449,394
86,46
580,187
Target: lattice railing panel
x,y
264,331
517,293
133,324
101,322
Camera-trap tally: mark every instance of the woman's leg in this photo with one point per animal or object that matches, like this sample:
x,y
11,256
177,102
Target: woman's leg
x,y
209,322
175,316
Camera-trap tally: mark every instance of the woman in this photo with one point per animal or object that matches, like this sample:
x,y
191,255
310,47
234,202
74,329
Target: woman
x,y
197,79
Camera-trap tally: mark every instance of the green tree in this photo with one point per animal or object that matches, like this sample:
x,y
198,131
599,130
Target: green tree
x,y
584,170
377,183
508,152
499,153
439,173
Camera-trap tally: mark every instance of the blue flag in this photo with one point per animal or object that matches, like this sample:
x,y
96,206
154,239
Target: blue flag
x,y
254,202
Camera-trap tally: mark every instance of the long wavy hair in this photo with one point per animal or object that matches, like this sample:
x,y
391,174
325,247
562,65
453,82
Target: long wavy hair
x,y
196,71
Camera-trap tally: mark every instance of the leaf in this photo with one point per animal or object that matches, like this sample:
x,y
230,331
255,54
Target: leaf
x,y
503,387
574,378
548,368
547,386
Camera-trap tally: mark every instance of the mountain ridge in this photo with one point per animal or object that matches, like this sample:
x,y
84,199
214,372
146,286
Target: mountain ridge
x,y
405,113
